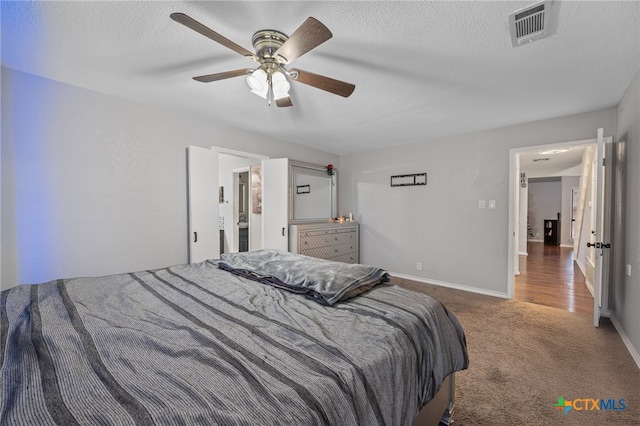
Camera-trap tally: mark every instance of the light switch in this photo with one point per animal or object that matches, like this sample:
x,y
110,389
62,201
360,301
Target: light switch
x,y
492,204
628,269
481,204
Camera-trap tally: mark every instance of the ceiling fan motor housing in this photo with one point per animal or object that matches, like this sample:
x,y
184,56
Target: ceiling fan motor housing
x,y
267,42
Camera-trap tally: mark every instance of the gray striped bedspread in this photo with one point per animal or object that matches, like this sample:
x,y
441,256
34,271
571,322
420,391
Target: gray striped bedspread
x,y
196,345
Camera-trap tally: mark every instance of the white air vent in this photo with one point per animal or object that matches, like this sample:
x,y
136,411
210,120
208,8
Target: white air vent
x,y
530,24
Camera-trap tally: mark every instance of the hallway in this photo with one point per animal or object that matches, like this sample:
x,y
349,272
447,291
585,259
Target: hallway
x,y
550,277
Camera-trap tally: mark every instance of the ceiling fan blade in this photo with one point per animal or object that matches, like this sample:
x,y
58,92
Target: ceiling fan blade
x,y
189,22
284,102
222,75
309,35
324,83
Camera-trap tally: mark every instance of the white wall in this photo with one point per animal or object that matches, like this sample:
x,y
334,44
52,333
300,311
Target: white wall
x,y
440,224
587,227
95,185
568,184
626,292
523,231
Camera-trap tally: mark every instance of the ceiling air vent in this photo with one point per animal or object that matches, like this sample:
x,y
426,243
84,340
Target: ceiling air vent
x,y
530,24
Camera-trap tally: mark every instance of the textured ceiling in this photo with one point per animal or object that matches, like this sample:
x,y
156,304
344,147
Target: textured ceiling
x,y
422,70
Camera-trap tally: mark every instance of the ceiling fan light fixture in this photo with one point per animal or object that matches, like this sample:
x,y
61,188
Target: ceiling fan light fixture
x,y
280,85
263,82
257,81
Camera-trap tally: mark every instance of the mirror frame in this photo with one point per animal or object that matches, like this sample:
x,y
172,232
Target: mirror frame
x,y
333,188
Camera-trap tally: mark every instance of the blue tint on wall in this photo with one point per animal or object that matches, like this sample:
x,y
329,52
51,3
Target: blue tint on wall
x,y
28,208
33,183
22,32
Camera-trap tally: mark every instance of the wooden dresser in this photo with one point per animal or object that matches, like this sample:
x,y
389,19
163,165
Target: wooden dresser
x,y
331,241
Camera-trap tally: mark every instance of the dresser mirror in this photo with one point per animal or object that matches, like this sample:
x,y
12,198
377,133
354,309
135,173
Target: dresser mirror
x,y
313,193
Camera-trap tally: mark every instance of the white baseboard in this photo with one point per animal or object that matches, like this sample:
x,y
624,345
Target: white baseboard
x,y
523,253
535,241
590,288
451,285
580,265
625,339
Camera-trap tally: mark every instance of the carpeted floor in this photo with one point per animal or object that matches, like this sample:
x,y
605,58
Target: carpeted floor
x,y
524,356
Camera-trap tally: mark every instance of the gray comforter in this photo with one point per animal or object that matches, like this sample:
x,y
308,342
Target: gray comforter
x,y
324,281
196,345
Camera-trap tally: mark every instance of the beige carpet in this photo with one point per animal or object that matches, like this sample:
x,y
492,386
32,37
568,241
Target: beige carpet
x,y
524,356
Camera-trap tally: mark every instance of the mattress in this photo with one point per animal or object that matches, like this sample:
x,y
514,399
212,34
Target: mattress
x,y
199,345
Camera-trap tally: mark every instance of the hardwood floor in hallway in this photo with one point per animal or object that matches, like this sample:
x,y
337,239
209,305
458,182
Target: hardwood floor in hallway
x,y
550,277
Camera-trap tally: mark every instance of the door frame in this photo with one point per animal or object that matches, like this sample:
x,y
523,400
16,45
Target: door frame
x,y
236,202
240,154
514,193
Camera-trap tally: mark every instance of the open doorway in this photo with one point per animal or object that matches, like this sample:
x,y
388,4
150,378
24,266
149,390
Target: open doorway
x,y
242,208
546,265
240,225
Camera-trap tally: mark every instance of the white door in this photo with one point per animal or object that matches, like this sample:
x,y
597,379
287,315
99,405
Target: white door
x,y
275,203
602,245
204,234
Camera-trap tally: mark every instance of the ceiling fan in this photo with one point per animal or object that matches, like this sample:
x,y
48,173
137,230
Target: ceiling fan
x,y
274,50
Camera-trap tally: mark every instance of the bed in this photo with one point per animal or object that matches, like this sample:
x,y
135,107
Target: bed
x,y
220,342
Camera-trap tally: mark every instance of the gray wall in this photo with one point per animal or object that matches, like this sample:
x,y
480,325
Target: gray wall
x,y
548,197
95,185
440,224
544,202
626,292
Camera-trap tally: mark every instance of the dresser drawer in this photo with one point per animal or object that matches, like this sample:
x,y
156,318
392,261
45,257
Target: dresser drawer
x,y
326,252
314,239
337,242
346,258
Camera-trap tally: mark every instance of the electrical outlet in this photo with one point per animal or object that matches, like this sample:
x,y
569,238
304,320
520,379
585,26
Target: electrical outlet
x,y
492,204
419,266
628,269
